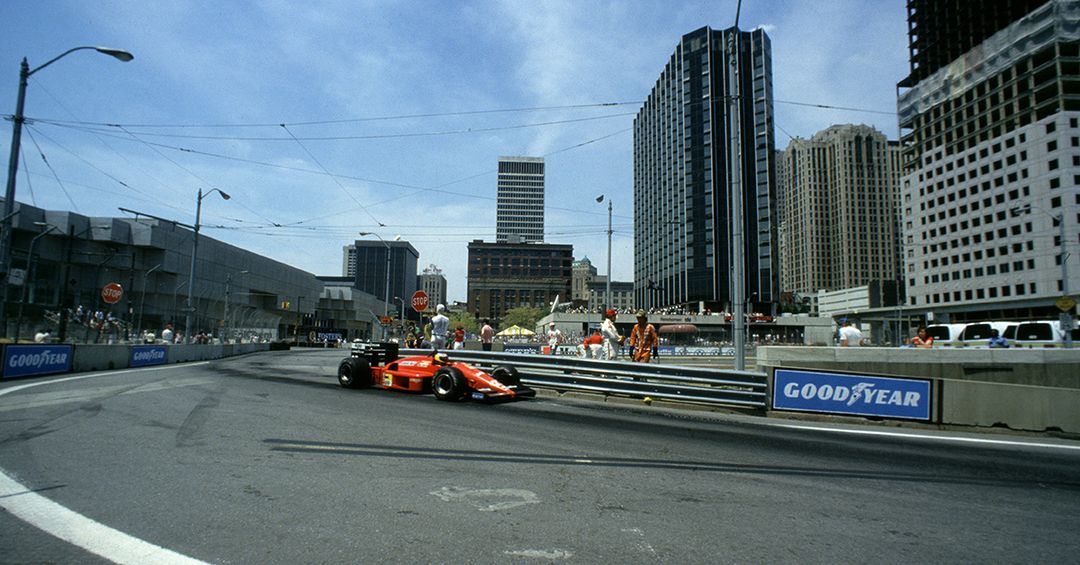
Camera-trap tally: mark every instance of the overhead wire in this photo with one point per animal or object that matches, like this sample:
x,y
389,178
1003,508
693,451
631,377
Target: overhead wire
x,y
45,160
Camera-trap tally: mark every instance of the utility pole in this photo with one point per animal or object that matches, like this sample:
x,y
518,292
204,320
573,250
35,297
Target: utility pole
x,y
738,317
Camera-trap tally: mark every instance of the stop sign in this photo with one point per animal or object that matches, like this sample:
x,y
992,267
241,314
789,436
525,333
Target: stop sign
x,y
111,293
419,301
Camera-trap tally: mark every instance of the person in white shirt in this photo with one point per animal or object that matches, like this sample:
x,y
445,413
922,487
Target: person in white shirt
x,y
554,338
611,336
850,336
440,328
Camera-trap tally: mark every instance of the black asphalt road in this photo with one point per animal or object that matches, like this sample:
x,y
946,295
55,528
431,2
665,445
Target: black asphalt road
x,y
264,459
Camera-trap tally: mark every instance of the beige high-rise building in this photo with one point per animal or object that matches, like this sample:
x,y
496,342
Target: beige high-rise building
x,y
838,208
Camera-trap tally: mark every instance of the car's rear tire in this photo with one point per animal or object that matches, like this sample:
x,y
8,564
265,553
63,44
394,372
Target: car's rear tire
x,y
354,372
506,375
448,384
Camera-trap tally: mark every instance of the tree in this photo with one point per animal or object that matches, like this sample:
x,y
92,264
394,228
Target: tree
x,y
523,316
467,321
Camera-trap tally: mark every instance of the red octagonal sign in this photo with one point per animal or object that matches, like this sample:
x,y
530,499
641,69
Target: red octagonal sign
x,y
419,301
112,292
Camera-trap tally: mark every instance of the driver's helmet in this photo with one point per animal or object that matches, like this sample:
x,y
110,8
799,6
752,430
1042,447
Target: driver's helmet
x,y
441,359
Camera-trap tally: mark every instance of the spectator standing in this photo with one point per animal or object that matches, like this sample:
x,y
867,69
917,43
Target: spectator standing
x,y
459,337
643,339
167,334
922,339
850,336
487,335
440,327
554,337
996,340
592,347
611,335
42,336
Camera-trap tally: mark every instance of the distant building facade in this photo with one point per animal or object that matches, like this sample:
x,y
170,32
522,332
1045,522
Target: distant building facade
x,y
838,195
584,274
371,272
348,261
622,295
237,293
519,212
503,276
433,283
682,195
991,154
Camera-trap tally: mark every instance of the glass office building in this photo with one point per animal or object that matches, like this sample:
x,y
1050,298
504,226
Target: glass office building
x,y
682,190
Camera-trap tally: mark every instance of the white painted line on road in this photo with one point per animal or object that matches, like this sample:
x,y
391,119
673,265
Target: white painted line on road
x,y
549,554
79,530
72,527
942,438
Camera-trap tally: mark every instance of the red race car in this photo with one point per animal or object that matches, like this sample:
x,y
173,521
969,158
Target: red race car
x,y
379,365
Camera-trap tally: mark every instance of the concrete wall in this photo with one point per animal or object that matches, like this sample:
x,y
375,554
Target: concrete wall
x,y
105,357
1026,389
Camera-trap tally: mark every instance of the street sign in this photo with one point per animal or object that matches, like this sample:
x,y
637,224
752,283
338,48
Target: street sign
x,y
419,301
1065,303
386,320
111,293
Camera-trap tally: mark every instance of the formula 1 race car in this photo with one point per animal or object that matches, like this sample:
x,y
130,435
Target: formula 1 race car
x,y
379,365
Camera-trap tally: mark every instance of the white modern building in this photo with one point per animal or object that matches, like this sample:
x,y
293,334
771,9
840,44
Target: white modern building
x,y
991,146
519,214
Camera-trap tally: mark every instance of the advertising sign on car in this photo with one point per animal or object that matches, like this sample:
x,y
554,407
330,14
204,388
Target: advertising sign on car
x,y
854,394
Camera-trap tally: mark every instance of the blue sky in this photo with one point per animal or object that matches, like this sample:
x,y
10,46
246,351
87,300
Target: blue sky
x,y
394,113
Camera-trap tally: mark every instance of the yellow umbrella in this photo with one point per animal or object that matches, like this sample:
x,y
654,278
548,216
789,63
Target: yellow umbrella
x,y
514,331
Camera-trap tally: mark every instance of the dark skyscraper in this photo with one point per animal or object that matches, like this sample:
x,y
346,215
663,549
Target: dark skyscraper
x,y
682,194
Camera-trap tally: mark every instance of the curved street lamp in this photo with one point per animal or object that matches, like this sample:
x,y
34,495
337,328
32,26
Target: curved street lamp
x,y
190,308
13,161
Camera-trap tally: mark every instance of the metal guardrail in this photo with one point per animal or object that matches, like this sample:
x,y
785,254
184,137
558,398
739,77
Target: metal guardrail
x,y
622,378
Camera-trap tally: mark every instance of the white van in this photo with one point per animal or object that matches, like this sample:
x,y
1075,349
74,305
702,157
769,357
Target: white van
x,y
1041,333
977,334
945,335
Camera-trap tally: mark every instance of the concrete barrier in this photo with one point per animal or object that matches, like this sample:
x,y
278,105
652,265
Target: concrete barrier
x,y
105,357
1024,389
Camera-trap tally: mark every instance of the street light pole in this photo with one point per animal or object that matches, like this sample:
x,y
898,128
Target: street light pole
x,y
190,309
1066,319
735,182
386,298
228,326
30,275
607,290
13,161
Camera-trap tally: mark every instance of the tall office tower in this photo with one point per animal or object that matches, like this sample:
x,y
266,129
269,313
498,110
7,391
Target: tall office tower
x,y
373,278
348,261
838,196
433,283
682,189
519,216
991,154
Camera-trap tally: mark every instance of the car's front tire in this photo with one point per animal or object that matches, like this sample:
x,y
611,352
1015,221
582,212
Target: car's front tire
x,y
506,375
448,384
354,372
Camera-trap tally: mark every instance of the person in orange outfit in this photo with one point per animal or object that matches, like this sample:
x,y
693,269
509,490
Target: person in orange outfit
x,y
643,339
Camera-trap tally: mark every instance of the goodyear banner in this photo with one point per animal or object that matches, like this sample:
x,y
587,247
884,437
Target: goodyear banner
x,y
146,355
854,394
27,360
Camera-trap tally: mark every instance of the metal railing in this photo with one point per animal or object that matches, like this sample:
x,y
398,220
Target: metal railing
x,y
744,389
